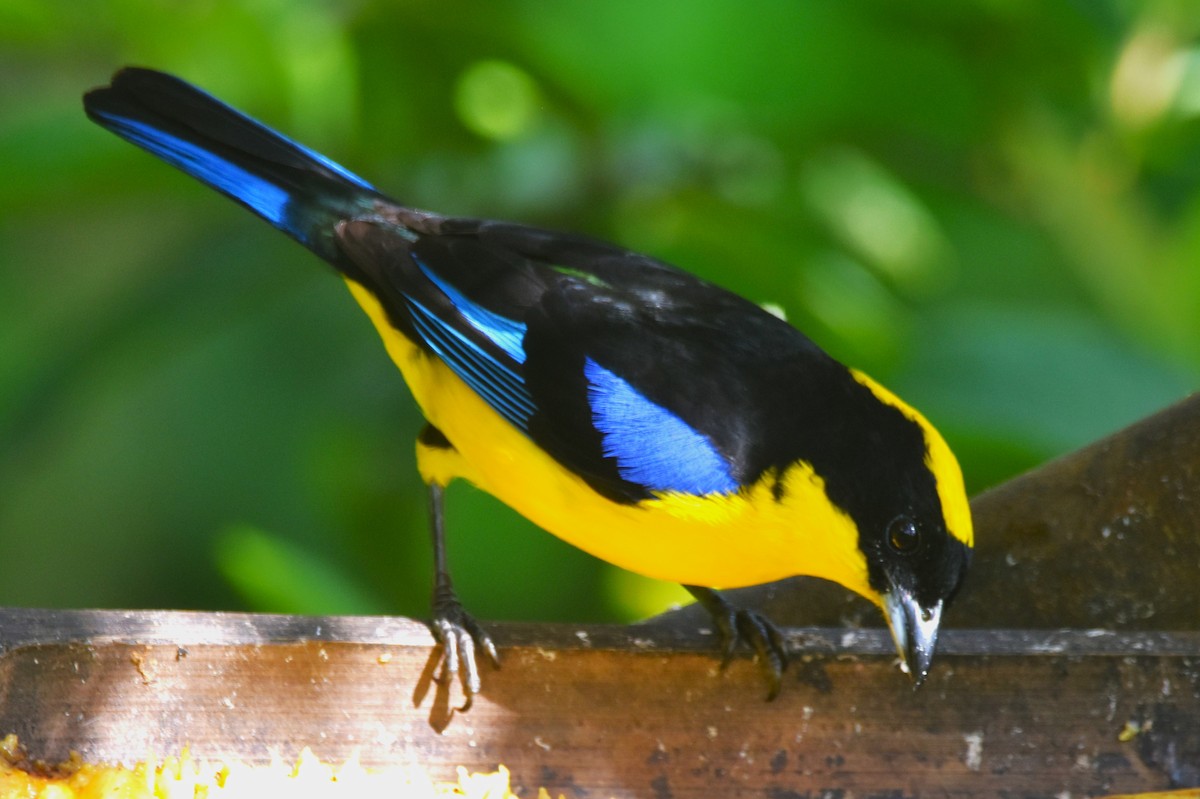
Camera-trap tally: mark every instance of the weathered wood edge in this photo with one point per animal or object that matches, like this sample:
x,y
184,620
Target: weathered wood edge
x,y
613,711
32,626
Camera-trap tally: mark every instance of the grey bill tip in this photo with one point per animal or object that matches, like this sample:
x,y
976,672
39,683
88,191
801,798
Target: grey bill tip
x,y
915,631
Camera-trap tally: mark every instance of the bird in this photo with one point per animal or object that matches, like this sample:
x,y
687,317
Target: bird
x,y
651,418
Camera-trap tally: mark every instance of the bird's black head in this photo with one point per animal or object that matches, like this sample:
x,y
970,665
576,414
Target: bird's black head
x,y
903,488
914,525
917,567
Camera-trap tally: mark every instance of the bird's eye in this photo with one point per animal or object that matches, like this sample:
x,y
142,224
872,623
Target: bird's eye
x,y
903,535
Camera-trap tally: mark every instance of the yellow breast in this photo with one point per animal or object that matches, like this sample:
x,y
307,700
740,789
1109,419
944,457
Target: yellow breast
x,y
722,541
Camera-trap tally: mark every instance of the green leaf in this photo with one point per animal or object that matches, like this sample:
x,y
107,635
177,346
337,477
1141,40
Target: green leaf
x,y
277,576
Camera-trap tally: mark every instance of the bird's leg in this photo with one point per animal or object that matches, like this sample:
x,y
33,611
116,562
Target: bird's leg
x,y
454,628
739,624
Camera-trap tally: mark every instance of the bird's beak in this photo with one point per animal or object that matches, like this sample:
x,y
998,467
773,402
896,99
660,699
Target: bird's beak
x,y
915,630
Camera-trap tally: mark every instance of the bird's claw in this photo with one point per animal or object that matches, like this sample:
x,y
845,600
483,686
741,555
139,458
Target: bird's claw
x,y
735,624
763,637
460,635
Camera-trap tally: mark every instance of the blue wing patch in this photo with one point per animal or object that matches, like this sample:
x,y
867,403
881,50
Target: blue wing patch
x,y
652,446
505,333
500,386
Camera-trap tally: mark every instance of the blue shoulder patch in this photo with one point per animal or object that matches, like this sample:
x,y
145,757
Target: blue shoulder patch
x,y
652,446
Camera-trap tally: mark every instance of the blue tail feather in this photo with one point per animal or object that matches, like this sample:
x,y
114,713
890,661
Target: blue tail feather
x,y
260,195
294,188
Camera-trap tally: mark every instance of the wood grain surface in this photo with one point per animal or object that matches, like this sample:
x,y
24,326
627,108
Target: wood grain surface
x,y
615,711
1107,537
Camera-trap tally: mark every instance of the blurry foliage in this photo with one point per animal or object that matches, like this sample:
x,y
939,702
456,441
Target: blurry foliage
x,y
991,206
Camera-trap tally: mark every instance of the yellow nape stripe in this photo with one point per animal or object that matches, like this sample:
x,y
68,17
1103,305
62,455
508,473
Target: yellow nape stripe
x,y
939,460
185,777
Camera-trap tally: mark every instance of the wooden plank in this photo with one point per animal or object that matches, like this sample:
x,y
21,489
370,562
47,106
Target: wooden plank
x,y
1105,537
615,711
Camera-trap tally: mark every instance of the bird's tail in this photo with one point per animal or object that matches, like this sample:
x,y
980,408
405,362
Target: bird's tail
x,y
295,189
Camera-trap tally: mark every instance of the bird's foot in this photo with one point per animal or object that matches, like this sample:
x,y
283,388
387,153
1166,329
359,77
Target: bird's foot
x,y
740,624
460,636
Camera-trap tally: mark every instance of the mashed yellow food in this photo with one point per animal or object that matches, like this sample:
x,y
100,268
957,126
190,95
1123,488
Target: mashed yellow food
x,y
183,777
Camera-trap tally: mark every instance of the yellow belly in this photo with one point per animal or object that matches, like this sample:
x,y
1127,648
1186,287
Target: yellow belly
x,y
722,541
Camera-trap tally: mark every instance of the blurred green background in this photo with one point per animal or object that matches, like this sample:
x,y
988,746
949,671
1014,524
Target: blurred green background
x,y
992,206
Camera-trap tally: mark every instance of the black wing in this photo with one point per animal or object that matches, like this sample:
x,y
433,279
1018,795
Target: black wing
x,y
637,376
633,374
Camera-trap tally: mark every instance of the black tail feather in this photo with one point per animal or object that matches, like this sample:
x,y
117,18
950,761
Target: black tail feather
x,y
294,188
